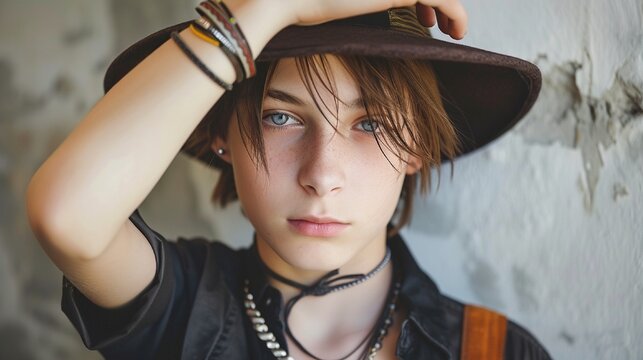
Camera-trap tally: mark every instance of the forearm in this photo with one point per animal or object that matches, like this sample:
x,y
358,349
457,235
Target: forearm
x,y
111,161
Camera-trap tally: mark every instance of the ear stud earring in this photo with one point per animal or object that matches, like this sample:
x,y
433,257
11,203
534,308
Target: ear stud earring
x,y
220,151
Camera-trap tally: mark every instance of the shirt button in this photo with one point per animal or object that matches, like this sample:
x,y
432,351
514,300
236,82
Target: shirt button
x,y
268,301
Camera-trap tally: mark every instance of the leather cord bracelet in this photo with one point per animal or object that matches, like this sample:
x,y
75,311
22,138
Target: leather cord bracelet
x,y
190,54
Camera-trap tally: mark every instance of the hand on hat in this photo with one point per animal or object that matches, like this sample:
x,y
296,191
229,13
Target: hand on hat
x,y
449,14
428,16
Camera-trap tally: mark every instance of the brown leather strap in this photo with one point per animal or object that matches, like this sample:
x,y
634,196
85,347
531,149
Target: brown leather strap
x,y
483,334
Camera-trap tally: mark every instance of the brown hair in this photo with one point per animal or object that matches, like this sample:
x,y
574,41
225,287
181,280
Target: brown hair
x,y
402,94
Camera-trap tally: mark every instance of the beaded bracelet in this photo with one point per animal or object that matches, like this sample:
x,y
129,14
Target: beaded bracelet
x,y
190,54
221,19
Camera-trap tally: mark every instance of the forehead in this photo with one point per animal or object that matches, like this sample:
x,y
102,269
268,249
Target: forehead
x,y
333,80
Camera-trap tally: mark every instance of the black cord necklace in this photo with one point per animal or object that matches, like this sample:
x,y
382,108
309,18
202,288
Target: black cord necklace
x,y
325,285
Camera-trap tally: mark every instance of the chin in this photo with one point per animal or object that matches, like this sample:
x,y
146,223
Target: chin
x,y
315,254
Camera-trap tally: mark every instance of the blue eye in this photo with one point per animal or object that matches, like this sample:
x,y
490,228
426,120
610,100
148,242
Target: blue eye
x,y
278,119
369,125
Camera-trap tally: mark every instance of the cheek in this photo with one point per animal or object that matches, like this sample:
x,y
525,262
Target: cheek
x,y
259,191
247,176
375,182
381,164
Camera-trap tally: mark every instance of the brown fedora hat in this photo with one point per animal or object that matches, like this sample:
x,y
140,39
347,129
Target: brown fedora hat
x,y
484,93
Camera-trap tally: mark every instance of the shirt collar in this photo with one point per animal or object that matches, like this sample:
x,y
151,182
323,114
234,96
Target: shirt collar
x,y
422,296
419,291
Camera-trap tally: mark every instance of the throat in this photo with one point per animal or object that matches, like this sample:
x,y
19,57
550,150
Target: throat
x,y
330,282
333,325
349,308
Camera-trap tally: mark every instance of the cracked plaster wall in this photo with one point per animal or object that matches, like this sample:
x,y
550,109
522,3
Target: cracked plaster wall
x,y
543,225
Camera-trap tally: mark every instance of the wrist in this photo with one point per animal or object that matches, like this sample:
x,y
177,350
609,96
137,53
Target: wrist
x,y
259,21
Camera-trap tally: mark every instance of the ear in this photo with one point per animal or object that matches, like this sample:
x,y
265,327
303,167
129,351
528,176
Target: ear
x,y
220,143
414,165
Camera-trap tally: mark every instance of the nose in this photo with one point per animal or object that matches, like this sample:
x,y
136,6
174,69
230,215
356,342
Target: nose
x,y
323,160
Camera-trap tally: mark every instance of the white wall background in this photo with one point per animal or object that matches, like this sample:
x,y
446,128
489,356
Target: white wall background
x,y
543,225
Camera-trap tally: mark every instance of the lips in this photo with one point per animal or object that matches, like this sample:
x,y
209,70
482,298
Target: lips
x,y
320,220
317,226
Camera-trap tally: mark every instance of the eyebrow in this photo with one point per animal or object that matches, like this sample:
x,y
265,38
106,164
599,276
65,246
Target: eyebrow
x,y
286,97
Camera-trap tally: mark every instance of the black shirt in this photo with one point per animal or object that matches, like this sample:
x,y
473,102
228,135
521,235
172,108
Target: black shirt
x,y
193,309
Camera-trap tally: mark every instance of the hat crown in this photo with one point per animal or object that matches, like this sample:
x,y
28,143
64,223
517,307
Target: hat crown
x,y
402,19
405,20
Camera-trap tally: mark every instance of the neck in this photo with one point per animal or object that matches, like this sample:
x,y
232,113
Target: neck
x,y
364,261
343,319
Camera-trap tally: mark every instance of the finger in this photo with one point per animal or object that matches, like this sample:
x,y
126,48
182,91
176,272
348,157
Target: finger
x,y
443,22
426,15
455,23
454,33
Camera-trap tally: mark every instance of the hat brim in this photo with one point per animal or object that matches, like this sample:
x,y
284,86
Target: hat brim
x,y
484,93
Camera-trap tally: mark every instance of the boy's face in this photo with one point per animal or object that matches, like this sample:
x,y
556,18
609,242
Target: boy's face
x,y
317,175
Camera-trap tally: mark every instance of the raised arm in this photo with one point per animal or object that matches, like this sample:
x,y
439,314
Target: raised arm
x,y
79,200
83,193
